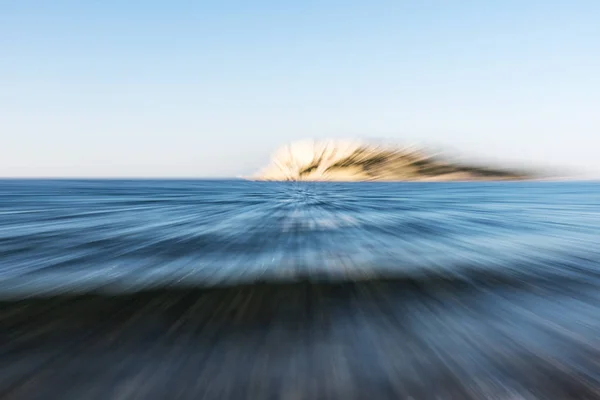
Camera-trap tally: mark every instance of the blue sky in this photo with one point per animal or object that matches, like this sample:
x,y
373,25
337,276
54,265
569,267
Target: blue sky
x,y
199,88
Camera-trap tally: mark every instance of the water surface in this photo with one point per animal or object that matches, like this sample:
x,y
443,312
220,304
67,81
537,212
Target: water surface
x,y
255,290
122,235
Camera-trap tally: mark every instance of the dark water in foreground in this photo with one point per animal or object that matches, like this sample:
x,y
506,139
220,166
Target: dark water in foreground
x,y
234,289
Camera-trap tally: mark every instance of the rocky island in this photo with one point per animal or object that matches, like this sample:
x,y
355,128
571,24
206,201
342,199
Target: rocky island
x,y
358,161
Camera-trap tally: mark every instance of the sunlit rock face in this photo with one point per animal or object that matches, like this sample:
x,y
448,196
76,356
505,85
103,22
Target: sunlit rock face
x,y
347,160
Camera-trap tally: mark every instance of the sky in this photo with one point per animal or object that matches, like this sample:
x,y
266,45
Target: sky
x,y
119,88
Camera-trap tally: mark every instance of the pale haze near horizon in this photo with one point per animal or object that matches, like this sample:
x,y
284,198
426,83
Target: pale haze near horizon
x,y
211,89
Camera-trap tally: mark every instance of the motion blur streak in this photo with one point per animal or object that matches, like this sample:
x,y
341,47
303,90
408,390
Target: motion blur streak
x,y
299,290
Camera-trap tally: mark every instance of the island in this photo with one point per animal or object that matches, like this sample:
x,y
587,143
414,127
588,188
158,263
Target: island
x,y
347,160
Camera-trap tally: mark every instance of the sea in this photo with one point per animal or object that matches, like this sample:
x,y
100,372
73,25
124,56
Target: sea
x,y
352,290
80,235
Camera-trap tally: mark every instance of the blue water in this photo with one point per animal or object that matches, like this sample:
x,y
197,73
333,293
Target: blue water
x,y
116,235
459,290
